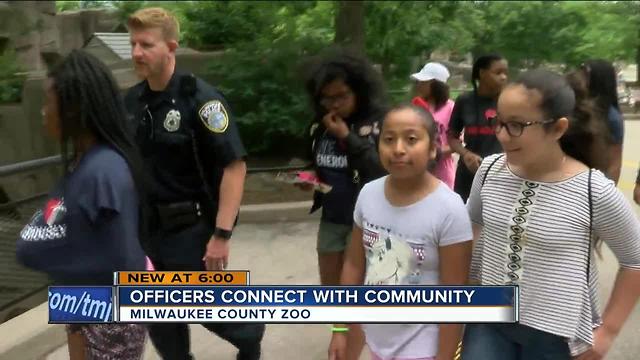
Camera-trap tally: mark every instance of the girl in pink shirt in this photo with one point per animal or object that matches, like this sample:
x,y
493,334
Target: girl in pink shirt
x,y
432,93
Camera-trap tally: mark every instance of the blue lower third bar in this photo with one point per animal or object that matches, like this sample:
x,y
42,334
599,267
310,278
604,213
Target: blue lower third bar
x,y
80,304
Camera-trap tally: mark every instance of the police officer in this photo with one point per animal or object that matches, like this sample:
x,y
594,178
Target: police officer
x,y
195,156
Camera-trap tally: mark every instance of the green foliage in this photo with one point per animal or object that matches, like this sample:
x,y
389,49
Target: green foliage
x,y
266,40
398,30
216,23
11,78
262,81
611,29
77,5
531,32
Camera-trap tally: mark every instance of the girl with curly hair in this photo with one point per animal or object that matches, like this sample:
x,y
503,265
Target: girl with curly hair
x,y
346,93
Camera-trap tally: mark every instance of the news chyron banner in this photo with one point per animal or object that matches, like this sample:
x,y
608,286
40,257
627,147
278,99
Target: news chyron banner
x,y
226,296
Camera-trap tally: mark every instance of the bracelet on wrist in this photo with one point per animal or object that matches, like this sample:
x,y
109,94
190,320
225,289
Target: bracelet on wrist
x,y
222,233
339,329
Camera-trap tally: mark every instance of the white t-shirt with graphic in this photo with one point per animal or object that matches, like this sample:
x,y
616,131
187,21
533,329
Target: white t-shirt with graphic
x,y
401,248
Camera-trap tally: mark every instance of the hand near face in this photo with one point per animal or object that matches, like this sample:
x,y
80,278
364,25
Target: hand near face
x,y
335,125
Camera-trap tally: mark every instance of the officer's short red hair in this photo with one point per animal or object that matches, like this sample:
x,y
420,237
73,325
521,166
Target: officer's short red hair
x,y
155,17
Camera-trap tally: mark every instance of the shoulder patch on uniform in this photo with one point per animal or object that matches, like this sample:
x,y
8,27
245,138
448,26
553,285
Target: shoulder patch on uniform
x,y
214,116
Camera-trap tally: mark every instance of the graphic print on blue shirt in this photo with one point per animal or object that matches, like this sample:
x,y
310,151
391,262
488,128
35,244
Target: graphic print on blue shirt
x,y
88,227
48,223
332,167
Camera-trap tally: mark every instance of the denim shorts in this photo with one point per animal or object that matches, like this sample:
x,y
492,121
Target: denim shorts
x,y
512,342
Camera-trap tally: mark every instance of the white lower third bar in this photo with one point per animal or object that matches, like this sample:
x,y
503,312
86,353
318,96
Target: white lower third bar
x,y
319,314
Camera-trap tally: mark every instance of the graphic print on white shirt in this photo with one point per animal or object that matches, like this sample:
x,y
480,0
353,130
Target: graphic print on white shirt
x,y
391,260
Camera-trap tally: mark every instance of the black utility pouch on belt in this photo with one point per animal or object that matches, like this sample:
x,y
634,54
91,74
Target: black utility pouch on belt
x,y
179,215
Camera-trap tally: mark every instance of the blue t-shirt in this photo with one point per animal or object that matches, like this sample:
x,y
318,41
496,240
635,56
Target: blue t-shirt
x,y
332,167
88,227
616,125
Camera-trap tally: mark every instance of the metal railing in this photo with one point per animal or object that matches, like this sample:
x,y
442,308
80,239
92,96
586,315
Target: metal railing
x,y
31,165
10,227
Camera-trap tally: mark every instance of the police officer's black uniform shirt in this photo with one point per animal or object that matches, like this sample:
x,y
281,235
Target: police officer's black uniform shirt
x,y
171,124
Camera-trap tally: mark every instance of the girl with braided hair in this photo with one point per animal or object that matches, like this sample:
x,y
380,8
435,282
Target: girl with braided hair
x,y
471,113
92,223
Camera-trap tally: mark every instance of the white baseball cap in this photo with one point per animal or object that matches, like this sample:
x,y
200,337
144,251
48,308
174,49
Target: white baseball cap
x,y
432,70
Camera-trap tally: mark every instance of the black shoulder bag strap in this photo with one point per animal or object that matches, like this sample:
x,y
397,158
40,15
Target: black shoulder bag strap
x,y
484,178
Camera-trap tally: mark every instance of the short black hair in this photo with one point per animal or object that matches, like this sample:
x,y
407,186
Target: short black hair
x,y
483,62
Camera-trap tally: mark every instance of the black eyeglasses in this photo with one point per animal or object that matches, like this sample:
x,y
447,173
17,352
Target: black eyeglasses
x,y
514,128
327,101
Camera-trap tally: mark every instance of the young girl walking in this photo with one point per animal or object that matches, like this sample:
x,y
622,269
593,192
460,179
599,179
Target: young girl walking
x,y
471,114
94,220
540,211
409,229
432,93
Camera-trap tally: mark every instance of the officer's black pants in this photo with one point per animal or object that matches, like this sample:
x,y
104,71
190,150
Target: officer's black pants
x,y
172,340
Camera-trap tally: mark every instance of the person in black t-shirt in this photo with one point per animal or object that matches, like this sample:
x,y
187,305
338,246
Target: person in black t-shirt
x,y
471,113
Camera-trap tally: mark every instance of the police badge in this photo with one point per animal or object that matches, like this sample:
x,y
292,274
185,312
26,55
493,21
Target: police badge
x,y
172,121
214,116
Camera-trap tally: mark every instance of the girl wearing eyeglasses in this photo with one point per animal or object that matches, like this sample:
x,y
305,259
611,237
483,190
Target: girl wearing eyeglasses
x,y
471,113
347,97
539,210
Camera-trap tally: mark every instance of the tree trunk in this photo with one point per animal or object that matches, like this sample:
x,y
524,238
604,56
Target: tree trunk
x,y
349,24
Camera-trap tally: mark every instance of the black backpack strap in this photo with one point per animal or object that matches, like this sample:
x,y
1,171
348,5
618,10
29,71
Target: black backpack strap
x,y
590,227
484,178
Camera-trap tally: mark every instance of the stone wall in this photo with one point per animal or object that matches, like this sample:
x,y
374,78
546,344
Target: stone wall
x,y
29,28
23,138
76,27
39,36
